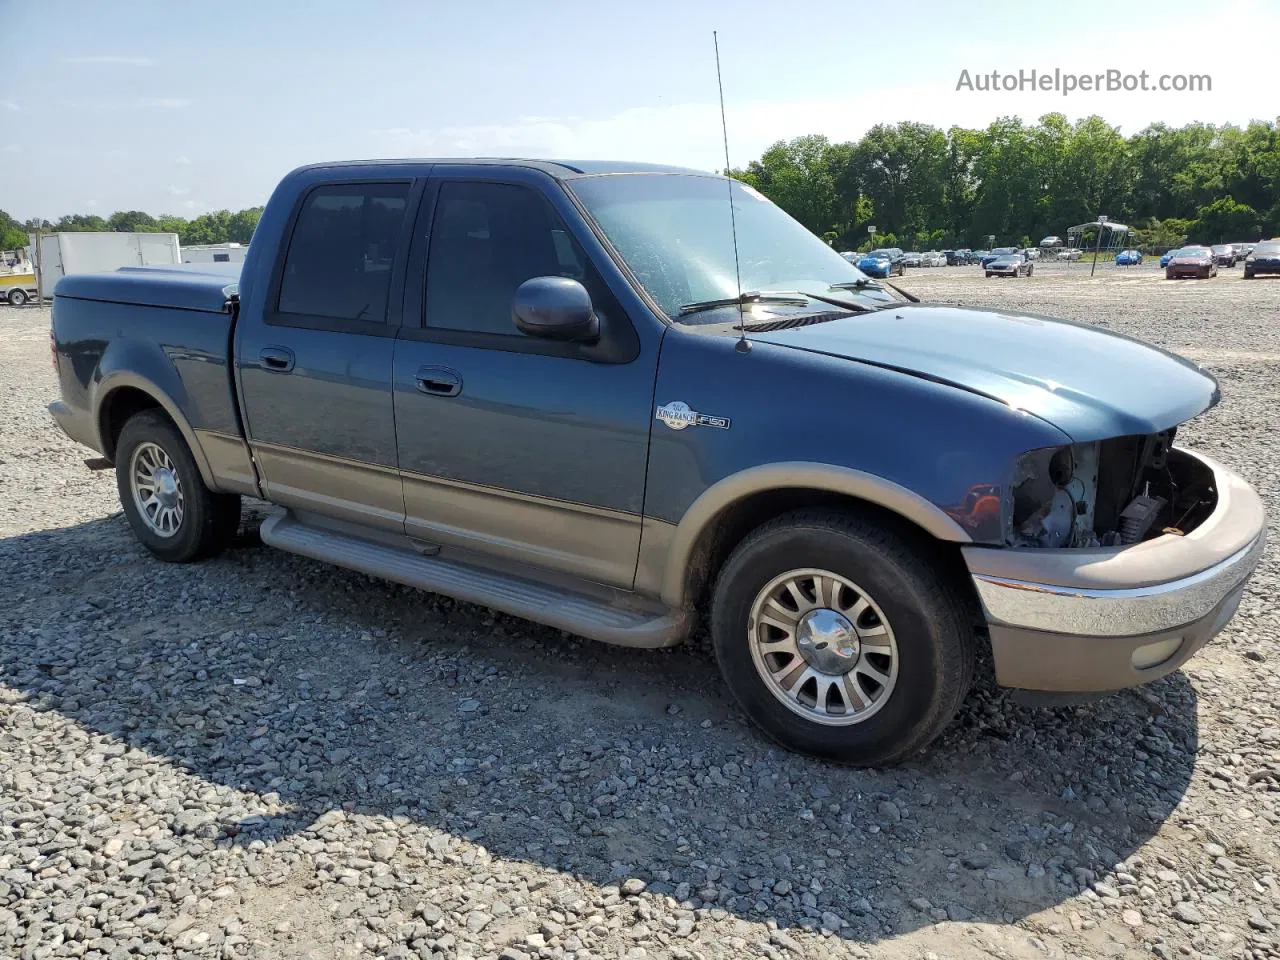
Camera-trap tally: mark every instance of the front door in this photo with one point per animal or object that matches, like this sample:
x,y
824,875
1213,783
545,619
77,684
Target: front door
x,y
316,376
517,447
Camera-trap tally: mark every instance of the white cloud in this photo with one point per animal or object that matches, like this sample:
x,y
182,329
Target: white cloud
x,y
185,161
112,59
91,203
194,204
179,191
10,105
10,148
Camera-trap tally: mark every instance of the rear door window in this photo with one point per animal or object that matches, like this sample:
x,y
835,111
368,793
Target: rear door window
x,y
340,256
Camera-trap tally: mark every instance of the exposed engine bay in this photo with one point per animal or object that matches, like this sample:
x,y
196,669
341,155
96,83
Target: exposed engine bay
x,y
1109,493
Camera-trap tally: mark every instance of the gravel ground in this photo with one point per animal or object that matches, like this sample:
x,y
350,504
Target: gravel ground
x,y
261,756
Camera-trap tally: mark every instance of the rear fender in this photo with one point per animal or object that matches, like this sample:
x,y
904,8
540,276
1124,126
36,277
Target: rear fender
x,y
145,367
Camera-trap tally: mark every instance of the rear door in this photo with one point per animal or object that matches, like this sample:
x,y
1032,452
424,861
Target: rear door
x,y
519,448
315,376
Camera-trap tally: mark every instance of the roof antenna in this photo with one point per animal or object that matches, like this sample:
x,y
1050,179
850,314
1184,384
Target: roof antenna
x,y
744,345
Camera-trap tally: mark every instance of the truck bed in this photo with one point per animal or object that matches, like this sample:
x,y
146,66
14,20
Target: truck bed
x,y
207,287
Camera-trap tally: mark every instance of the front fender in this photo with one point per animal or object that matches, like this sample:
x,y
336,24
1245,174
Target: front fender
x,y
775,417
856,484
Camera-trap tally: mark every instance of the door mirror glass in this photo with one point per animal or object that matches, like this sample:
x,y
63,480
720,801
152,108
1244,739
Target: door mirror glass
x,y
555,308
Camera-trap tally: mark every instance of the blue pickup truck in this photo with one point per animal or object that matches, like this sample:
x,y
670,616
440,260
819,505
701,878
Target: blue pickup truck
x,y
563,391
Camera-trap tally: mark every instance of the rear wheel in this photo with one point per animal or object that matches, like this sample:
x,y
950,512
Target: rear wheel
x,y
839,640
171,511
17,297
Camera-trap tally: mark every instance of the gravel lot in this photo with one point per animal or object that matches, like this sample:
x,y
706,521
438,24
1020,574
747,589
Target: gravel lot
x,y
261,756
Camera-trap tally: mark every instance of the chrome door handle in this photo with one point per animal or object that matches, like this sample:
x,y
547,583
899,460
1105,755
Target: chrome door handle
x,y
277,359
438,381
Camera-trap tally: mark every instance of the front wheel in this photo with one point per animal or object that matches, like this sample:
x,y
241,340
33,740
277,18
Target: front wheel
x,y
171,511
839,639
17,297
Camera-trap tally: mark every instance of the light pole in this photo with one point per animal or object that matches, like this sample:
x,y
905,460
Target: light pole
x,y
1097,245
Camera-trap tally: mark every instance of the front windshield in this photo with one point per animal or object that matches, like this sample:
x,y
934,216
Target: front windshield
x,y
674,233
1269,249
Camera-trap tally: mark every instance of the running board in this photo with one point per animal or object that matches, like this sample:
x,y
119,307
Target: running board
x,y
571,612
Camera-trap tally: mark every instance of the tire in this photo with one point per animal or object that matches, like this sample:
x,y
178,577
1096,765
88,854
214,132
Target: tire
x,y
189,522
988,274
923,653
17,297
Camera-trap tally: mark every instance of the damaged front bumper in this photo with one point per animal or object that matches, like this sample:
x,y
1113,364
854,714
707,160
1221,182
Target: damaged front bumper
x,y
1098,619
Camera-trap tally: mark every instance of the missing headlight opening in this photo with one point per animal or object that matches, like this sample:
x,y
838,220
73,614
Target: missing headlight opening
x,y
1109,493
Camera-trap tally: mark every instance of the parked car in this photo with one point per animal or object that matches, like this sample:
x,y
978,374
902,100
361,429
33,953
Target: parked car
x,y
1010,265
879,264
996,253
1244,249
937,258
1192,262
1224,254
1032,253
976,256
1051,241
1070,253
1166,257
426,415
1263,258
1128,258
911,259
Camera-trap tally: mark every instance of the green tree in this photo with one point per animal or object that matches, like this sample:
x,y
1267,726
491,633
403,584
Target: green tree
x,y
80,223
1226,220
13,236
132,221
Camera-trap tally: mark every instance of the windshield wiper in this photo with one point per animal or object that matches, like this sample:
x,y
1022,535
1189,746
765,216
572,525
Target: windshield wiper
x,y
744,298
868,284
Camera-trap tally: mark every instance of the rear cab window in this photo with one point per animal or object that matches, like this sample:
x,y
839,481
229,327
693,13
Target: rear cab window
x,y
339,262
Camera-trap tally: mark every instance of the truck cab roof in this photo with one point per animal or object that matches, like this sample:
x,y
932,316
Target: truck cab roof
x,y
559,169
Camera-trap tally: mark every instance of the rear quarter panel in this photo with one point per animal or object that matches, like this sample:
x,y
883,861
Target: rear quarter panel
x,y
180,357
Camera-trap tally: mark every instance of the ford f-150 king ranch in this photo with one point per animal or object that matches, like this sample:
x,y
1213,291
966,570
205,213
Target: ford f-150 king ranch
x,y
563,391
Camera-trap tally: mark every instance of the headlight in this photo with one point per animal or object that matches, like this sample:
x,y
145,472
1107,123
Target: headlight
x,y
1051,496
1249,259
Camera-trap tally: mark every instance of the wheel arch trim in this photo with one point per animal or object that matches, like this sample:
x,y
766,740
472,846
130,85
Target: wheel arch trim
x,y
112,383
856,484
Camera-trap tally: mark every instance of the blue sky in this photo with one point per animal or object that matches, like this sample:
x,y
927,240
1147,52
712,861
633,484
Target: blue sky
x,y
185,107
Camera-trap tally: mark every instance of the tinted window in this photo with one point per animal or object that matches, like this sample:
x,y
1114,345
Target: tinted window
x,y
486,240
339,260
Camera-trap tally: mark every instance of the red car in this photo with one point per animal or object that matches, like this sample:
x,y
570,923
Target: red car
x,y
1192,262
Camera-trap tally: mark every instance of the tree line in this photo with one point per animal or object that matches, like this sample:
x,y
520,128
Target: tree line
x,y
925,188
220,226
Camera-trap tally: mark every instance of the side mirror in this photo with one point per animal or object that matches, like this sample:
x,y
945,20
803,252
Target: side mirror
x,y
555,308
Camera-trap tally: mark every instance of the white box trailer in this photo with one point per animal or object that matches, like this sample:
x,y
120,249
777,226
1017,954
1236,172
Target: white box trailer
x,y
214,253
62,254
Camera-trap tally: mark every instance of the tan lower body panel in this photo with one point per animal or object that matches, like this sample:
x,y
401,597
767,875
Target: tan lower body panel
x,y
588,542
229,462
656,538
362,493
1060,663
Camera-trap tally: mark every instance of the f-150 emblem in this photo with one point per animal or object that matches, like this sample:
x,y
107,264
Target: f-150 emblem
x,y
677,415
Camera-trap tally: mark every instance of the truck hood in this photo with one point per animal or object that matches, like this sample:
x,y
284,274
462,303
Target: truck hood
x,y
1090,383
